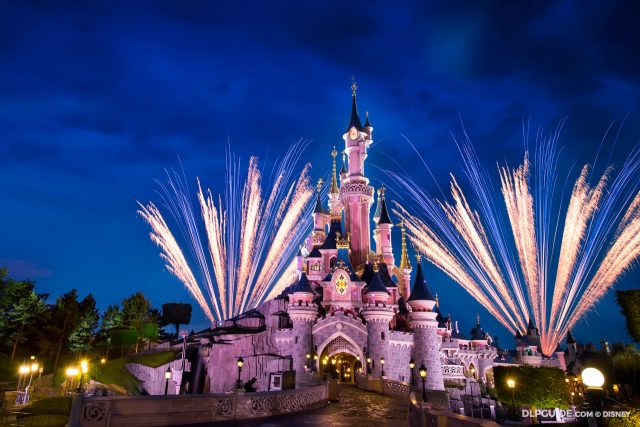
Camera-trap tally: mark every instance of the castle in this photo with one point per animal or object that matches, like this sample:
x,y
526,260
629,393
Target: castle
x,y
354,309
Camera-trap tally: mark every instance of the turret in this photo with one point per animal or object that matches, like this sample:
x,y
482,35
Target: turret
x,y
343,171
303,313
378,314
384,225
422,321
320,217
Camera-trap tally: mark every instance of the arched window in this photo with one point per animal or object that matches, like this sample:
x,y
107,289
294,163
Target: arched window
x,y
332,262
382,336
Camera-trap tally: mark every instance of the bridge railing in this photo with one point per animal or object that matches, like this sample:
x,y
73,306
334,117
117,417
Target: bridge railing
x,y
191,409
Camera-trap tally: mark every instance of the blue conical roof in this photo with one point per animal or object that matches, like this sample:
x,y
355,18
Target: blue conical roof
x,y
303,284
420,291
376,284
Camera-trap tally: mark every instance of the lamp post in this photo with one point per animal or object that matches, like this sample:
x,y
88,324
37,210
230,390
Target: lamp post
x,y
167,377
423,375
71,374
308,361
512,386
473,376
412,365
22,376
84,368
382,367
315,362
240,364
594,393
324,369
368,365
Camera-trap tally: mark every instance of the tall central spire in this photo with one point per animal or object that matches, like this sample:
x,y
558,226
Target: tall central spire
x,y
354,120
404,257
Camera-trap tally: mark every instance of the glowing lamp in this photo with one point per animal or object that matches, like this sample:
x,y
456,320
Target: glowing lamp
x,y
333,361
315,356
72,372
511,383
368,360
23,369
412,364
84,364
324,361
240,362
167,374
592,377
34,367
308,356
382,360
423,371
103,360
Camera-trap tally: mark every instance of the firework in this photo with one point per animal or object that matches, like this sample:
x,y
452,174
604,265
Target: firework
x,y
599,240
250,239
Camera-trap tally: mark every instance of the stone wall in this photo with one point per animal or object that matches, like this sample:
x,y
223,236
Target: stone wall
x,y
159,411
400,349
153,380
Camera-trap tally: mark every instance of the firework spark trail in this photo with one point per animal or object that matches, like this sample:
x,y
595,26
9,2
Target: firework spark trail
x,y
519,203
250,242
172,254
600,238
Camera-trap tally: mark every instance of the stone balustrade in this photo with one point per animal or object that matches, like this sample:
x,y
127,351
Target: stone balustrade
x,y
190,409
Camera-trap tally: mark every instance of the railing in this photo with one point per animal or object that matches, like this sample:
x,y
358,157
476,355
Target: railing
x,y
449,371
191,409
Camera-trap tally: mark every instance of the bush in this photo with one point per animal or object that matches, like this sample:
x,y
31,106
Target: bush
x,y
536,387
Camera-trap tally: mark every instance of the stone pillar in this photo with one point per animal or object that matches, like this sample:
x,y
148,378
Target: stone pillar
x,y
378,316
426,348
303,317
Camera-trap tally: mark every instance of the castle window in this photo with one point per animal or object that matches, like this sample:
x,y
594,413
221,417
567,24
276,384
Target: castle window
x,y
332,262
296,340
382,336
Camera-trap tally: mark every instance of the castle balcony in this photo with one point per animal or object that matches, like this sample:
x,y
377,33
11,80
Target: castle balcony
x,y
453,371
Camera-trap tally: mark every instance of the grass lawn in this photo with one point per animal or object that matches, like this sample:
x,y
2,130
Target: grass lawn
x,y
115,372
50,412
153,360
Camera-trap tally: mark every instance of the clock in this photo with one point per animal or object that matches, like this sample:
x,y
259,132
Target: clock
x,y
341,285
353,133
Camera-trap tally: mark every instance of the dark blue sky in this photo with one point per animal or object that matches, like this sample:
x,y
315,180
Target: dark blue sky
x,y
96,98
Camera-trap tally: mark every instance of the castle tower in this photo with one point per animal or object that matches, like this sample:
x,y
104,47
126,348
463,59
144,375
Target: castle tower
x,y
422,320
320,218
356,194
378,315
405,264
384,237
303,313
334,191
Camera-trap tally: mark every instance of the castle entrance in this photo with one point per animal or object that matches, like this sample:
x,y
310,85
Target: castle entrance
x,y
340,359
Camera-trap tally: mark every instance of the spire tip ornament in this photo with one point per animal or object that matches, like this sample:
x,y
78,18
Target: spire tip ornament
x,y
354,86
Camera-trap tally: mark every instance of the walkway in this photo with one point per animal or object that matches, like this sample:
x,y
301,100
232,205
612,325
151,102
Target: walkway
x,y
356,408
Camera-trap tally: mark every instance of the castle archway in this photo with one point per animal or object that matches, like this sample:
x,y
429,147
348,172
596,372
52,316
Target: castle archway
x,y
339,357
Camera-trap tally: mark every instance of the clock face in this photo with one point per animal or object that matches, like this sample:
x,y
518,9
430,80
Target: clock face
x,y
353,133
341,285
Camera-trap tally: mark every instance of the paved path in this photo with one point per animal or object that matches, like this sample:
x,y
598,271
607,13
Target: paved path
x,y
356,408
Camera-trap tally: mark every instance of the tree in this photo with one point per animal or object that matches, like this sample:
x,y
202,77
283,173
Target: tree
x,y
138,313
24,315
81,337
123,336
536,387
175,313
629,302
65,316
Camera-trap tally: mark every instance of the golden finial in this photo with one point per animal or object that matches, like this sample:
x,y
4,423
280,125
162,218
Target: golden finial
x,y
477,318
382,190
304,266
334,178
319,186
437,301
354,86
418,257
405,264
376,267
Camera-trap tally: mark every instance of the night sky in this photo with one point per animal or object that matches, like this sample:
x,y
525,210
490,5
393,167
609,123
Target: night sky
x,y
97,98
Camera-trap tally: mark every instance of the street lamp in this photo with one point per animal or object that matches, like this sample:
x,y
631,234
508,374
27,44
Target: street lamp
x,y
71,374
412,365
103,360
22,372
423,375
308,360
382,367
167,377
512,386
324,369
84,368
368,365
594,380
314,367
240,364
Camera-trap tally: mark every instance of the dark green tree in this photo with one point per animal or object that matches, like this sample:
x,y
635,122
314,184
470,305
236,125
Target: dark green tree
x,y
123,337
629,301
175,313
24,316
65,315
535,387
138,313
82,336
